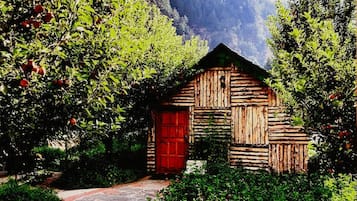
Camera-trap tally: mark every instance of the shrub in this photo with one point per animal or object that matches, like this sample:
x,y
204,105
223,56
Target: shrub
x,y
237,184
342,187
51,157
95,175
16,192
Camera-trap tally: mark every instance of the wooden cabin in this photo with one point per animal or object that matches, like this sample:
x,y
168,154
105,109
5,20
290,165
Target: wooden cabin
x,y
229,99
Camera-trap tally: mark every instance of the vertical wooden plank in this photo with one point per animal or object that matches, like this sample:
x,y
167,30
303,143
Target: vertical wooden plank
x,y
239,133
200,90
305,157
219,91
289,158
286,166
196,90
233,125
273,159
211,91
247,126
266,126
191,138
209,84
203,91
243,132
277,158
228,88
255,124
208,88
216,88
301,157
270,156
250,125
281,158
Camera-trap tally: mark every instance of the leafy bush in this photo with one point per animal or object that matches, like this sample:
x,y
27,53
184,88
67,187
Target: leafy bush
x,y
96,168
51,157
237,184
342,187
95,173
16,192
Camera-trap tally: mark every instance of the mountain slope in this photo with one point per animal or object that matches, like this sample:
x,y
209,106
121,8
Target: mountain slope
x,y
238,24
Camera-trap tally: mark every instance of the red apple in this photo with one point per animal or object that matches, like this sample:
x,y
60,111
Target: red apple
x,y
25,68
38,9
25,24
72,121
36,24
332,96
24,83
35,69
59,83
41,71
48,17
348,146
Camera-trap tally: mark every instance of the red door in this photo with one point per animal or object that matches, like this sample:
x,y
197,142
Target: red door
x,y
171,143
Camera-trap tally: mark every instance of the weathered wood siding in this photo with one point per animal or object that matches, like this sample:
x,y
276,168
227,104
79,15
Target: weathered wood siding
x,y
184,97
249,157
287,143
230,104
213,88
246,90
212,121
250,125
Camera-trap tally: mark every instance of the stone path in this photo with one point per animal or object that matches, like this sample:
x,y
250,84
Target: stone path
x,y
136,191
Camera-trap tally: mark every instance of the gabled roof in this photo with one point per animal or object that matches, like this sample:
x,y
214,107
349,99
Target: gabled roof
x,y
222,56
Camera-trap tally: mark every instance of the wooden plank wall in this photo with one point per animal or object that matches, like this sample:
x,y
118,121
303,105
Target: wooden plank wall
x,y
250,125
213,88
287,143
150,153
249,157
229,103
212,121
184,97
246,90
289,157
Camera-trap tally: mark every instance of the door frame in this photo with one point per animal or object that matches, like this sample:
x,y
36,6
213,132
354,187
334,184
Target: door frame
x,y
186,139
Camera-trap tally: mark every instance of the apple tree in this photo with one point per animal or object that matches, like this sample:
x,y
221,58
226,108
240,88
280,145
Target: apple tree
x,y
66,65
313,43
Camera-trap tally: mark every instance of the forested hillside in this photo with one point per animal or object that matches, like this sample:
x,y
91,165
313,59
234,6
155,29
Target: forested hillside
x,y
239,24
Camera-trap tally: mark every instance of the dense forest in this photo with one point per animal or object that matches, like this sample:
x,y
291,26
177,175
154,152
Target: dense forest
x,y
238,24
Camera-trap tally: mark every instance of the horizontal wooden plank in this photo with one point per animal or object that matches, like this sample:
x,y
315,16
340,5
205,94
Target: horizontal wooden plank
x,y
247,157
219,69
287,134
273,142
245,161
250,149
241,153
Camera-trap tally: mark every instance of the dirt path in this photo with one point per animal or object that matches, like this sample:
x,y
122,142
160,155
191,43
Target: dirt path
x,y
136,191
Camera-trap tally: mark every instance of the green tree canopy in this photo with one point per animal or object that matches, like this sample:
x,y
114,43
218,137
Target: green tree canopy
x,y
313,68
66,65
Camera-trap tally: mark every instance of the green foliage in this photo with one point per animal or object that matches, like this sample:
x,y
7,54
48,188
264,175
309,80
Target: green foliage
x,y
95,173
94,54
314,72
236,184
342,187
50,157
16,192
94,167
